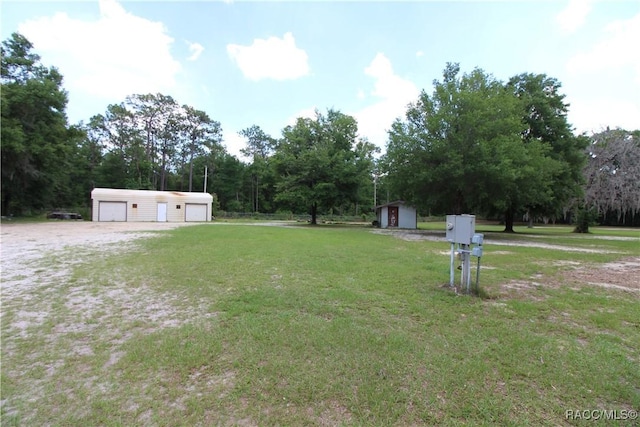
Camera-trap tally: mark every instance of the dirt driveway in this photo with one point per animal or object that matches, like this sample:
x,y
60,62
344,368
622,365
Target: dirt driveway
x,y
42,304
22,244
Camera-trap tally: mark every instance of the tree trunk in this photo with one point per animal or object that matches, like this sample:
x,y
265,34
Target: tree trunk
x,y
253,202
257,191
459,203
6,197
508,221
314,213
163,171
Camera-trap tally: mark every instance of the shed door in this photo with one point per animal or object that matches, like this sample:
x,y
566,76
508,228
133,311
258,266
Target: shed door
x,y
195,212
393,216
162,212
112,211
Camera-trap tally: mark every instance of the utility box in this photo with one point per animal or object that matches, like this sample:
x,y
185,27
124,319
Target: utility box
x,y
461,228
477,239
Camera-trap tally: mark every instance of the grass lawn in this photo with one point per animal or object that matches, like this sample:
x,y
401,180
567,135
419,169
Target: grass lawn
x,y
338,326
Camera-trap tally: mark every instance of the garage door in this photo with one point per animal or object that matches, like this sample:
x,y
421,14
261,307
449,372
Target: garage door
x,y
195,212
112,211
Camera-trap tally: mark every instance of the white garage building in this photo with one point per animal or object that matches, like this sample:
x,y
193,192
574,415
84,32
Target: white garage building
x,y
110,204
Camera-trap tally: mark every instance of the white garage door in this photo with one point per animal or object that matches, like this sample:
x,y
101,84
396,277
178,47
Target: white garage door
x,y
112,211
195,212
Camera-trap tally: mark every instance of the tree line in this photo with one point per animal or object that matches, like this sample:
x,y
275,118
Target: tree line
x,y
476,144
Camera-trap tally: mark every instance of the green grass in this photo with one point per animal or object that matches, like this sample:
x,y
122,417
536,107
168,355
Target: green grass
x,y
339,326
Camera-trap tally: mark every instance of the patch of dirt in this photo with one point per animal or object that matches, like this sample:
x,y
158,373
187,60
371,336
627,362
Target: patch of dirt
x,y
411,235
24,245
623,275
62,319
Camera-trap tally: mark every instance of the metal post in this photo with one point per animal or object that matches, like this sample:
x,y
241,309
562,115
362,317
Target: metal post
x,y
478,277
375,191
205,179
452,264
461,249
465,277
468,269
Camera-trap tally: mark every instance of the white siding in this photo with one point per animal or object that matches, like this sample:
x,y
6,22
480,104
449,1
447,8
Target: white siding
x,y
142,205
384,217
407,217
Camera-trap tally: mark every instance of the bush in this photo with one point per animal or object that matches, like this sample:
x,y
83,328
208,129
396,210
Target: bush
x,y
583,219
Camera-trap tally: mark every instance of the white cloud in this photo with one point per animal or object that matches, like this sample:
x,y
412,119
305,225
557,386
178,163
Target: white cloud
x,y
574,15
618,48
273,58
419,54
306,113
234,143
604,83
594,115
394,93
196,50
388,85
118,55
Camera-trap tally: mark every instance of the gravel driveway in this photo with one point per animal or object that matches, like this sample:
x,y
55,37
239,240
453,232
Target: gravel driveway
x,y
42,303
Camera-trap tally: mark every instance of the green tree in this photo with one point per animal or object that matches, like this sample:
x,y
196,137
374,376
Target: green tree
x,y
82,163
150,116
544,114
198,134
154,139
318,163
366,162
227,179
259,147
461,150
125,164
36,144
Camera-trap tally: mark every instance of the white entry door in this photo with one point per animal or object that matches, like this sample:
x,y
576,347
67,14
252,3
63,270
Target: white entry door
x,y
162,212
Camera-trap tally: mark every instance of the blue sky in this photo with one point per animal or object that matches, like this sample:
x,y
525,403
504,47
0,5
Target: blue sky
x,y
266,63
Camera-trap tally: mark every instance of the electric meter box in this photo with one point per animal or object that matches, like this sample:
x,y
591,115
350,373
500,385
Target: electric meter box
x,y
477,239
461,228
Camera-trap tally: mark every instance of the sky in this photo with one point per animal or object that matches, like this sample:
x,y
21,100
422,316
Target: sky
x,y
266,63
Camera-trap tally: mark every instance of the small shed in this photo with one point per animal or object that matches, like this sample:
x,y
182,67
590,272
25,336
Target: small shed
x,y
397,215
111,204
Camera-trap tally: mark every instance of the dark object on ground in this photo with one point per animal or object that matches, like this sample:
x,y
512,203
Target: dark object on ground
x,y
63,215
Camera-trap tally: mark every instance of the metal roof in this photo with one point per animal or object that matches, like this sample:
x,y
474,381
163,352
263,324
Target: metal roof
x,y
394,203
98,192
